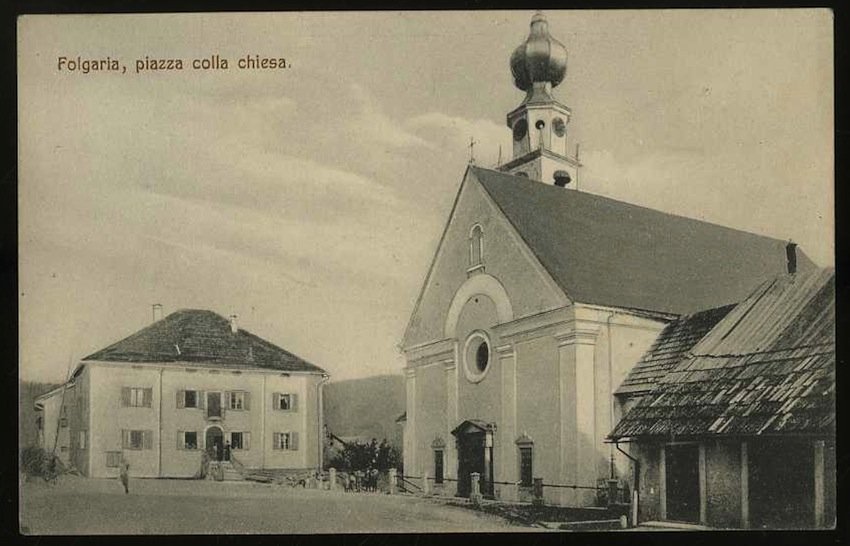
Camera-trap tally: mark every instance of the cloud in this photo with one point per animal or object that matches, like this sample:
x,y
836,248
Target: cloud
x,y
452,134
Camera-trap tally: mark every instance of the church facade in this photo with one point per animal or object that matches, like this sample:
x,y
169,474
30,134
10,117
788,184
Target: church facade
x,y
538,302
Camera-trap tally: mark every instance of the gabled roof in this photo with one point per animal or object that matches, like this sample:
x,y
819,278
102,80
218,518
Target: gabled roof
x,y
671,345
767,368
606,252
199,336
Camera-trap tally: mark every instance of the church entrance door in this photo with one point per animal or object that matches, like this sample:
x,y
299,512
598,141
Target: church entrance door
x,y
474,454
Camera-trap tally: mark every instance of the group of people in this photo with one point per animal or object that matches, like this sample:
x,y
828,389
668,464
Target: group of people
x,y
362,480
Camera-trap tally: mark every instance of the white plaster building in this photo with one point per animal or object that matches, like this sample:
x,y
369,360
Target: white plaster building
x,y
540,299
182,385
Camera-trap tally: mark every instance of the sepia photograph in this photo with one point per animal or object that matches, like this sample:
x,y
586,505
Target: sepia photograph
x,y
426,272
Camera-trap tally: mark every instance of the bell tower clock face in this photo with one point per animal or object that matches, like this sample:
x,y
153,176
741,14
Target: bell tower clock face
x,y
520,129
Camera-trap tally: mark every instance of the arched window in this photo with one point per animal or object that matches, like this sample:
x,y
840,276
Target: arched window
x,y
476,246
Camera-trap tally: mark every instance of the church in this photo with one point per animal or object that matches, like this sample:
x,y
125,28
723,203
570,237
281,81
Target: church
x,y
539,301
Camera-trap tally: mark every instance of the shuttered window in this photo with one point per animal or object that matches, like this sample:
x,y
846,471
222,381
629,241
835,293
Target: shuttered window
x,y
286,401
113,459
136,397
188,399
287,441
187,439
240,440
239,400
137,439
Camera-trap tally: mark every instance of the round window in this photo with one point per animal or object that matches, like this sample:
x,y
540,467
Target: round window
x,y
477,356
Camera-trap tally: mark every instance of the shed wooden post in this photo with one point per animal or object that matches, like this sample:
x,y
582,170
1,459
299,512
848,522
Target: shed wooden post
x,y
819,483
745,487
703,483
662,482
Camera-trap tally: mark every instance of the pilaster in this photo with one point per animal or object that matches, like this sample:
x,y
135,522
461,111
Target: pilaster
x,y
508,466
412,436
450,453
577,396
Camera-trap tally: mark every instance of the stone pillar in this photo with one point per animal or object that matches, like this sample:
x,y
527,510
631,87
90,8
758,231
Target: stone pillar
x,y
475,489
577,397
332,478
508,468
612,491
426,485
392,478
537,500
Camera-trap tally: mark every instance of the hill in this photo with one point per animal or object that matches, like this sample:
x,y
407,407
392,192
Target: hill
x,y
366,408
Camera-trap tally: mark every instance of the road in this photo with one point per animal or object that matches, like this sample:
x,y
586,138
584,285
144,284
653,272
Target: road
x,y
99,506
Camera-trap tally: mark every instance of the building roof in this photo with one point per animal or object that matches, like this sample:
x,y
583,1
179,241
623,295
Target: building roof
x,y
671,345
768,367
607,252
199,336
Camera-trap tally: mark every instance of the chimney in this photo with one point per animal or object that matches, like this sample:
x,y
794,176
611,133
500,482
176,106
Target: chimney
x,y
791,256
157,312
234,327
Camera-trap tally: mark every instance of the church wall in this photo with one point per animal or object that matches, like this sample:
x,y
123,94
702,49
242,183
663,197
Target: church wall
x,y
538,407
481,400
529,289
430,417
629,338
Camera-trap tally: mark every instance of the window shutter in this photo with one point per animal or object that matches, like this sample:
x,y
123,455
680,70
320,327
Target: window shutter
x,y
276,400
247,400
293,441
181,399
201,397
148,398
125,439
246,440
181,439
221,403
147,439
125,397
227,397
293,401
276,443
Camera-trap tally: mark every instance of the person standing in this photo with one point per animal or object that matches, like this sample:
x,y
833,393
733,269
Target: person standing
x,y
124,472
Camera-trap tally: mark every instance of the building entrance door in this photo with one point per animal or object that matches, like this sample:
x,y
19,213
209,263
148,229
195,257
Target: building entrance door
x,y
682,482
215,443
470,458
474,454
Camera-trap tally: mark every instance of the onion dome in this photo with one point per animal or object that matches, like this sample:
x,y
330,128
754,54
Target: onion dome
x,y
541,58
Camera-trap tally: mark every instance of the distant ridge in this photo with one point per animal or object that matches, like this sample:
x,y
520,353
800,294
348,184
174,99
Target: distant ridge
x,y
366,408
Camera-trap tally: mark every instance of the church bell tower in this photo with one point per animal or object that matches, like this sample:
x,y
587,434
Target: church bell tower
x,y
539,124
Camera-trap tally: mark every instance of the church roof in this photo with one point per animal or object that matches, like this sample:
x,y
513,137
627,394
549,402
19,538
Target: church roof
x,y
607,252
200,336
671,345
767,368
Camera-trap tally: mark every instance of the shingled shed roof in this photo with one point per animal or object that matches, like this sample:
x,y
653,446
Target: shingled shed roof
x,y
199,336
671,345
607,252
767,368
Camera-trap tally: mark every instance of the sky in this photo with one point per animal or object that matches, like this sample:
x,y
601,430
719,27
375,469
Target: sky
x,y
309,201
